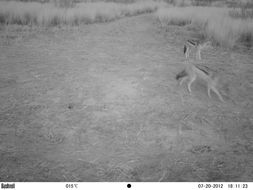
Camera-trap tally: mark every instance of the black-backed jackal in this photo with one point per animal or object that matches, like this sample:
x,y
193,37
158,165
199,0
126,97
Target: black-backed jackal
x,y
195,44
192,72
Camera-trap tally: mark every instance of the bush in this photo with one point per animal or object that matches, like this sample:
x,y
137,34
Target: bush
x,y
63,3
48,14
215,23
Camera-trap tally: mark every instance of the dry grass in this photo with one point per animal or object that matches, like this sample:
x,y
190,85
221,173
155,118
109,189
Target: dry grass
x,y
49,15
215,23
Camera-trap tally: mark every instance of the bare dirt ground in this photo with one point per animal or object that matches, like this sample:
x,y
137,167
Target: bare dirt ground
x,y
101,103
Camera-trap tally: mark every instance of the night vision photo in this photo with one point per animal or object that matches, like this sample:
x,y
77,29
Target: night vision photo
x,y
126,91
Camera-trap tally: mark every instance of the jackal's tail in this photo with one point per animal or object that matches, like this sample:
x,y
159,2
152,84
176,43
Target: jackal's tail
x,y
185,49
182,74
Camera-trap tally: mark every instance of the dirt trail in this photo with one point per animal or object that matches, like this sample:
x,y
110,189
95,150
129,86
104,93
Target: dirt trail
x,y
101,103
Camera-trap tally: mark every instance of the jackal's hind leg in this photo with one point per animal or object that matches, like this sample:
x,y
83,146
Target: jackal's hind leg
x,y
198,54
218,94
190,83
183,79
208,91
